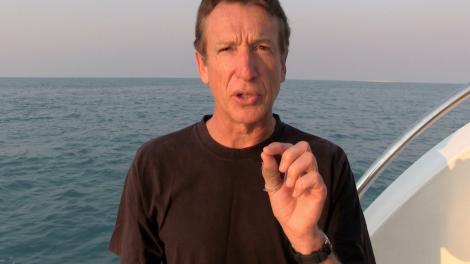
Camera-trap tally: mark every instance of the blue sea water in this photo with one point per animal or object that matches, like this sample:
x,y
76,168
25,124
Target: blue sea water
x,y
66,145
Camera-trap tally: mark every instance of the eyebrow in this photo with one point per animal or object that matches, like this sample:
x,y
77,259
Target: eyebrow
x,y
263,40
225,43
231,43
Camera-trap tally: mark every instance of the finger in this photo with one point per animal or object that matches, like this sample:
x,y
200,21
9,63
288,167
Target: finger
x,y
270,172
276,148
310,182
306,162
291,154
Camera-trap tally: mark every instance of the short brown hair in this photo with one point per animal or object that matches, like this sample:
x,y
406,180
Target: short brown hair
x,y
273,7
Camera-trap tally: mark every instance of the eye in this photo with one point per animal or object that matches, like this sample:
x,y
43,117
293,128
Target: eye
x,y
262,47
225,49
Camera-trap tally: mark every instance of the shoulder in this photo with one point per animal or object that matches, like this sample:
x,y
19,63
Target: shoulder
x,y
156,159
167,145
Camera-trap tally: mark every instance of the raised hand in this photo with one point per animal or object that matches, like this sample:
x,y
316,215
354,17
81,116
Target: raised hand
x,y
297,200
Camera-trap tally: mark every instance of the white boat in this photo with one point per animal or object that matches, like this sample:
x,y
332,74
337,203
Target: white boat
x,y
424,215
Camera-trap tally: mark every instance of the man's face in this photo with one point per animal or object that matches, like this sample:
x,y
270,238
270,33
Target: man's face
x,y
243,66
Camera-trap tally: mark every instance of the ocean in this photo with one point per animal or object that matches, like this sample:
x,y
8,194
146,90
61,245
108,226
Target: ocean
x,y
66,145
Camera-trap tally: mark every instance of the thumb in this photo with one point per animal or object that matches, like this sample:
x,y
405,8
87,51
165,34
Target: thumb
x,y
270,172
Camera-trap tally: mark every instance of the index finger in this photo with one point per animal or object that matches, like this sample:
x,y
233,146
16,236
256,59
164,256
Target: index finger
x,y
292,154
276,148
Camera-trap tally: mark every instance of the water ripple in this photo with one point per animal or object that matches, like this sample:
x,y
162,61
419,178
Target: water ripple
x,y
66,145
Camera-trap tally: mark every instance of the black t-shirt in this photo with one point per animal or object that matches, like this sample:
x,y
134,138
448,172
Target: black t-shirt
x,y
188,199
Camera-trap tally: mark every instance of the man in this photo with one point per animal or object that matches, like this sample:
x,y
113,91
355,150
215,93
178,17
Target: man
x,y
241,186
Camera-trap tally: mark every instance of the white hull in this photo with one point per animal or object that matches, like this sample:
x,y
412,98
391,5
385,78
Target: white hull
x,y
424,215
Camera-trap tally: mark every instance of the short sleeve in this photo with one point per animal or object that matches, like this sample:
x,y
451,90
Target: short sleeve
x,y
135,237
347,228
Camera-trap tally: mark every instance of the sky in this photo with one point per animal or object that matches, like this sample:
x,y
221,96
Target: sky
x,y
363,40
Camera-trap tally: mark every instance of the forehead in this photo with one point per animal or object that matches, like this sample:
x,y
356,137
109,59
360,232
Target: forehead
x,y
235,21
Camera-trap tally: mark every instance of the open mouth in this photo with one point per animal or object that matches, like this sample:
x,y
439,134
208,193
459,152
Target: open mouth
x,y
246,98
245,95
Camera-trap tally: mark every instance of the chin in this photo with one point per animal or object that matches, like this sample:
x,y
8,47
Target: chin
x,y
250,117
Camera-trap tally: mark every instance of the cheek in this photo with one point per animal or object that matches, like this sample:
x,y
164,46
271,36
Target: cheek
x,y
272,68
219,73
274,94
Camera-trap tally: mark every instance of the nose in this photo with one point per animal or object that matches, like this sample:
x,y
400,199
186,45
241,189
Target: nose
x,y
246,66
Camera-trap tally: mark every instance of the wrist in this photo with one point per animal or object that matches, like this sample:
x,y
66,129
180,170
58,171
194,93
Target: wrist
x,y
310,243
316,256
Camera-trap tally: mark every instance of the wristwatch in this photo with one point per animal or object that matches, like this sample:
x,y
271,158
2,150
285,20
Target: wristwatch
x,y
315,257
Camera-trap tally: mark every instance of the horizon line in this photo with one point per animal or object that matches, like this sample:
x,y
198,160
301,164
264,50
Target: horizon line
x,y
170,77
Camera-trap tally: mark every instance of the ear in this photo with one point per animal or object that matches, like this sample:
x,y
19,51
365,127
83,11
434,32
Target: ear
x,y
283,70
202,68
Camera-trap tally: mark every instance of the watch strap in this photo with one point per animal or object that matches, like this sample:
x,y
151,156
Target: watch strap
x,y
315,257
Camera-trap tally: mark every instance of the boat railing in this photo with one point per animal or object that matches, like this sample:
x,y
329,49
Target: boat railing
x,y
427,121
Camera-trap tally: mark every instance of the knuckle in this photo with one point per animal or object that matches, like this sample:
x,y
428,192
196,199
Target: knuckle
x,y
310,157
288,144
293,171
319,178
287,157
324,191
323,187
304,144
301,184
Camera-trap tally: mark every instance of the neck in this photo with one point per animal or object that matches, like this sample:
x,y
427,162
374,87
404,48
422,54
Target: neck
x,y
240,135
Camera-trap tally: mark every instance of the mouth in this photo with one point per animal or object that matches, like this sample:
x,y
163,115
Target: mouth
x,y
246,98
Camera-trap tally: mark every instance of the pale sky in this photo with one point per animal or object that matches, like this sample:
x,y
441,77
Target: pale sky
x,y
366,40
